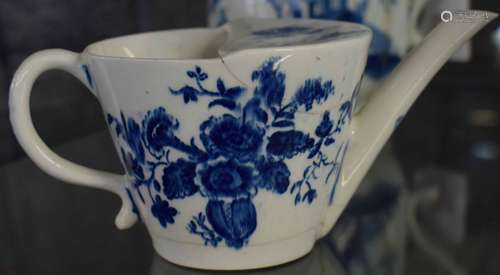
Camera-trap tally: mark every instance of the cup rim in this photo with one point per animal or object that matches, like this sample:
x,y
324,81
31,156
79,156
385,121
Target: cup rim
x,y
362,31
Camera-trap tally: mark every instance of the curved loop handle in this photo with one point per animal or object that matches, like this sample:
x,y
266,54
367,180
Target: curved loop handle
x,y
38,151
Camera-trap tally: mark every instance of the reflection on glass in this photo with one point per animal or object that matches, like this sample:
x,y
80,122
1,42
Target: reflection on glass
x,y
321,261
486,150
496,37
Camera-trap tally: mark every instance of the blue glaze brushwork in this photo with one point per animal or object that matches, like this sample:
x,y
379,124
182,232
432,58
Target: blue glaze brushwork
x,y
242,152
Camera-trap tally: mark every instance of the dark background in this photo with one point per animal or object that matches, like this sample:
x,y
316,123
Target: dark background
x,y
47,227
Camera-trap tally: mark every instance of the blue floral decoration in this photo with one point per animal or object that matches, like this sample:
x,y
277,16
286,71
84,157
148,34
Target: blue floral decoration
x,y
163,212
178,179
274,176
225,96
133,132
132,166
234,221
270,83
325,126
243,151
227,179
287,144
313,90
159,130
231,137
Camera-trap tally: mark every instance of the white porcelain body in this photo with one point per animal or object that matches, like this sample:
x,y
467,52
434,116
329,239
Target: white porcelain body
x,y
178,104
284,230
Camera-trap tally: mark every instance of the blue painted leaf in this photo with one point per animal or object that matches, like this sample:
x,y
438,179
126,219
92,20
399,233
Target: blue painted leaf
x,y
314,151
261,115
192,226
203,76
190,97
201,217
156,185
198,70
288,115
295,185
192,142
184,90
234,91
310,196
329,141
313,196
306,171
274,110
283,123
325,126
253,111
228,103
297,199
191,74
221,87
289,143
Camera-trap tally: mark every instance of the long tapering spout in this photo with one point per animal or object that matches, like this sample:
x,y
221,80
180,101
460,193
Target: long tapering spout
x,y
373,126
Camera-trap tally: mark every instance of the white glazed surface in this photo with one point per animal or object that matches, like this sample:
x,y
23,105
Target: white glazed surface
x,y
137,75
135,86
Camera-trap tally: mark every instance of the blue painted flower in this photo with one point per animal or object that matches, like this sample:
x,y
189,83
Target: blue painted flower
x,y
226,179
232,138
289,143
325,126
163,212
274,176
158,130
134,140
235,221
178,179
271,83
314,90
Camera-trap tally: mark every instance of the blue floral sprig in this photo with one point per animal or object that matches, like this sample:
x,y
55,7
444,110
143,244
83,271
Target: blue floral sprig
x,y
336,169
241,153
326,132
197,226
226,97
162,210
270,89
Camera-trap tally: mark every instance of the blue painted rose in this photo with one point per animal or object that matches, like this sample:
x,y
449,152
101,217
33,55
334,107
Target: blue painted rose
x,y
232,138
158,130
274,176
178,179
235,221
162,211
289,143
226,179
